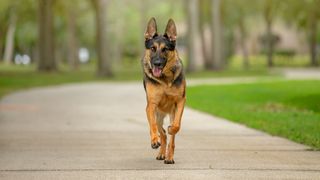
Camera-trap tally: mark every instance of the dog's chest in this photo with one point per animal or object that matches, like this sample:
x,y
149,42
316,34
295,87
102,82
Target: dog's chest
x,y
168,99
171,92
167,103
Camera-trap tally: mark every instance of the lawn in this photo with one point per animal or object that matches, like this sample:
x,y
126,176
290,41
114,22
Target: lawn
x,y
14,78
233,72
289,109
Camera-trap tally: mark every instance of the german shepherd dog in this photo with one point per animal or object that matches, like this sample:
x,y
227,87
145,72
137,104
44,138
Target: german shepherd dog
x,y
165,85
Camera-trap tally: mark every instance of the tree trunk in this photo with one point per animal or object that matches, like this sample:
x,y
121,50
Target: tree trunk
x,y
313,40
216,35
269,42
46,37
243,46
117,37
104,63
118,45
143,22
35,55
1,46
192,24
205,46
9,46
72,39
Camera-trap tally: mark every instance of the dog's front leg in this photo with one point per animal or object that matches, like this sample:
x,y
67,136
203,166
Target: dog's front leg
x,y
170,153
173,129
151,109
175,124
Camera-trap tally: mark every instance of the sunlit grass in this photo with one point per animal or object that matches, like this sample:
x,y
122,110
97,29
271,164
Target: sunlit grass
x,y
232,73
285,108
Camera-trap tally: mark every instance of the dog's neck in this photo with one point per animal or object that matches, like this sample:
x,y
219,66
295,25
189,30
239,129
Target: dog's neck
x,y
173,72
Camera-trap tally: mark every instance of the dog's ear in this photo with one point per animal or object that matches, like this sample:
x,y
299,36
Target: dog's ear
x,y
151,29
171,31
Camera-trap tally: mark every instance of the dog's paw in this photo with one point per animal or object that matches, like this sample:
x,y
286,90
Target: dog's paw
x,y
169,161
161,157
155,145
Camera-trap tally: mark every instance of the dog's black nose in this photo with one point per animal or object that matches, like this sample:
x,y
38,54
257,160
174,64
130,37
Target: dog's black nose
x,y
157,64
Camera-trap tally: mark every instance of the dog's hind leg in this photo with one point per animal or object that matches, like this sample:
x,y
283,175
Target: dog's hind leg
x,y
163,136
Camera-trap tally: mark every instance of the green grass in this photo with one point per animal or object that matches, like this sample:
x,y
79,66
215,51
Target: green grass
x,y
232,73
289,109
14,78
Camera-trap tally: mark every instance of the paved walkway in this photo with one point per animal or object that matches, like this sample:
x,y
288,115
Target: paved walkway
x,y
301,73
100,131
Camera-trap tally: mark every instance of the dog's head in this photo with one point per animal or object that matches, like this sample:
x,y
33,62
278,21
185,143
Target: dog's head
x,y
159,47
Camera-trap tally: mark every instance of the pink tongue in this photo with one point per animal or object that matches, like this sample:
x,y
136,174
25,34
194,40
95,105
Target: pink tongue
x,y
156,72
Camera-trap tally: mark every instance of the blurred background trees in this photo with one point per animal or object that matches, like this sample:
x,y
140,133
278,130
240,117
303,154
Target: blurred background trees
x,y
305,16
103,45
192,34
107,35
47,61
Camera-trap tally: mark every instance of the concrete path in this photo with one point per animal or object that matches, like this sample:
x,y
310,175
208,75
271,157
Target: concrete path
x,y
301,73
100,131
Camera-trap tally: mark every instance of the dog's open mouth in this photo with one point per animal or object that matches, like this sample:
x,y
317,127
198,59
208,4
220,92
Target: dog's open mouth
x,y
156,71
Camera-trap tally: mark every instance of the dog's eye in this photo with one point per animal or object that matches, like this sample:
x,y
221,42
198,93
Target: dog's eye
x,y
153,49
164,49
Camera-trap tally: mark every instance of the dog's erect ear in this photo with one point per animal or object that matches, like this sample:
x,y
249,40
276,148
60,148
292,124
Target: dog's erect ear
x,y
171,31
151,29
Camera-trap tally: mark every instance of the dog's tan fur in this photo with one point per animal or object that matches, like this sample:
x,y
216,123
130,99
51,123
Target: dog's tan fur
x,y
165,95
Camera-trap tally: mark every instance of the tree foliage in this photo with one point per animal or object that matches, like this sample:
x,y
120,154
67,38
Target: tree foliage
x,y
74,27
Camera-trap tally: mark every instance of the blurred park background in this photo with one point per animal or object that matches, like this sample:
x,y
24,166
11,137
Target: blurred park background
x,y
44,42
106,36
